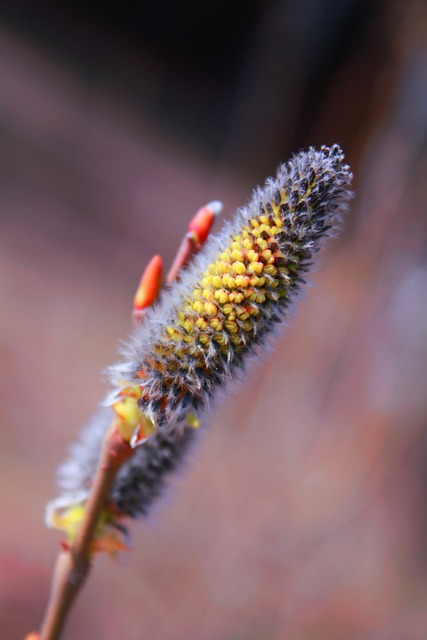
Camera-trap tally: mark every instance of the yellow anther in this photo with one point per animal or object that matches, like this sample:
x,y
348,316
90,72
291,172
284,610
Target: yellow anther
x,y
238,267
208,295
231,282
266,228
244,315
221,295
237,254
198,306
231,326
256,267
188,326
253,256
270,269
263,244
223,267
173,333
201,324
216,324
242,281
210,308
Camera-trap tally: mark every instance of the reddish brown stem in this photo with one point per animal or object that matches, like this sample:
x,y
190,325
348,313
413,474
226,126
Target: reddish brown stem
x,y
187,248
73,564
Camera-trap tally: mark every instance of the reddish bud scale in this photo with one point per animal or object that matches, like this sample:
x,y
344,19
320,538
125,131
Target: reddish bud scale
x,y
201,224
150,284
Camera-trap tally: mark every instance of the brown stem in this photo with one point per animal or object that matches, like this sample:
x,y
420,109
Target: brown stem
x,y
187,249
73,564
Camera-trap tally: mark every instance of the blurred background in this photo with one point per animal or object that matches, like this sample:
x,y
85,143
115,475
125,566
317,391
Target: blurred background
x,y
303,514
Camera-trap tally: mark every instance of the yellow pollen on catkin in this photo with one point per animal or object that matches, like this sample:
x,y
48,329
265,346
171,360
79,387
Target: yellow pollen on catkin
x,y
221,295
221,315
238,267
234,288
210,308
201,324
270,269
198,306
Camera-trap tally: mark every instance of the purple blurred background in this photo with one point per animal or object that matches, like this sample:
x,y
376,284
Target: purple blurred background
x,y
304,513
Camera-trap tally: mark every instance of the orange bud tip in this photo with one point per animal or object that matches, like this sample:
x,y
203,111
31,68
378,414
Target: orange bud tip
x,y
150,284
201,224
32,636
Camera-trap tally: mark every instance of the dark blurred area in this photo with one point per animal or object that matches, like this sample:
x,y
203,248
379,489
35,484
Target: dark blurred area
x,y
304,513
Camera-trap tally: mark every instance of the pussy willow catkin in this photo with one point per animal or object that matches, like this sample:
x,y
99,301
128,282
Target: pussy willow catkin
x,y
236,290
205,326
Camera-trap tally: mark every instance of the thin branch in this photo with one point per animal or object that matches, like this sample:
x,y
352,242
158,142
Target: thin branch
x,y
73,563
197,233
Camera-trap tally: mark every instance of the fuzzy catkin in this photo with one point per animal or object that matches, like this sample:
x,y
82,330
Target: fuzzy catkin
x,y
236,290
201,331
142,479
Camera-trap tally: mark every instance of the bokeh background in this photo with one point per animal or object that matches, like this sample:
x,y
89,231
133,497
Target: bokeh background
x,y
303,514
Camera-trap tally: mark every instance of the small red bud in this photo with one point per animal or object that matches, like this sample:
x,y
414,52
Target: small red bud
x,y
150,284
201,223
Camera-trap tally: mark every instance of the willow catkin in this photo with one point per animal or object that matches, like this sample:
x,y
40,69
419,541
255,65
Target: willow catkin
x,y
205,326
236,291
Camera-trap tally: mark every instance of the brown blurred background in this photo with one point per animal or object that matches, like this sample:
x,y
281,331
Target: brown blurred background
x,y
303,515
